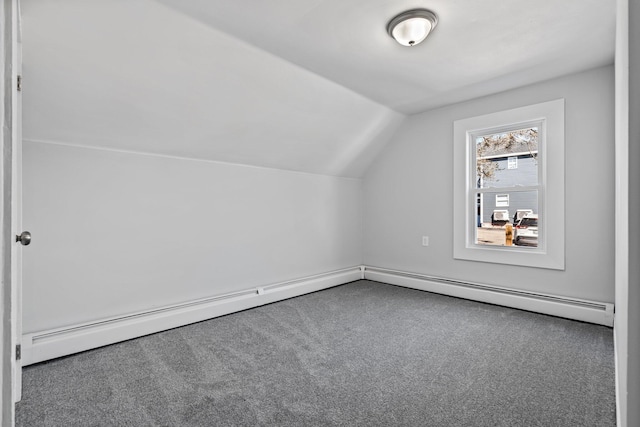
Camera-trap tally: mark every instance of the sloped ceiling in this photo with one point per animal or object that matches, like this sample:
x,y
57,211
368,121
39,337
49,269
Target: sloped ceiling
x,y
314,86
477,48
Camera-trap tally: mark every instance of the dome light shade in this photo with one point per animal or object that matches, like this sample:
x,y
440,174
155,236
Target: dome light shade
x,y
412,27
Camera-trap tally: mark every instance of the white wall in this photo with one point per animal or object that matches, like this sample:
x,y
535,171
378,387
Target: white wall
x,y
139,86
117,233
407,192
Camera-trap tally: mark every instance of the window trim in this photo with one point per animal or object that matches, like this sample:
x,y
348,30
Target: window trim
x,y
551,254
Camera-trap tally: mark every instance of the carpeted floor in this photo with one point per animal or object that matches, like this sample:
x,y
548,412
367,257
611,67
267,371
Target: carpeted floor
x,y
361,354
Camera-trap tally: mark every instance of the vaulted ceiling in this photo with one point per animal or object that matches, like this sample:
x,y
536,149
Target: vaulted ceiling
x,y
308,85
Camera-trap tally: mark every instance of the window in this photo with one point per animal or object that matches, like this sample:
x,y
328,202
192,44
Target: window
x,y
509,166
497,179
502,200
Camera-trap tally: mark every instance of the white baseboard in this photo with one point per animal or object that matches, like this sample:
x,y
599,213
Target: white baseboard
x,y
570,308
45,345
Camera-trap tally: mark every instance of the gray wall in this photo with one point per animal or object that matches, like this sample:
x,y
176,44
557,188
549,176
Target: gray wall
x,y
408,192
115,233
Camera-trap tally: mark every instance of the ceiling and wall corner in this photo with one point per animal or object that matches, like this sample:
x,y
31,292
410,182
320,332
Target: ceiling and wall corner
x,y
508,44
316,86
138,76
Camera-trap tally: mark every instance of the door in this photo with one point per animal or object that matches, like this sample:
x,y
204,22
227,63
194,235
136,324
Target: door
x,y
10,188
16,206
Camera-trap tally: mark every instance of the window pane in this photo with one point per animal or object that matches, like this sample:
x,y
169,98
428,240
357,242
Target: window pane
x,y
495,210
507,159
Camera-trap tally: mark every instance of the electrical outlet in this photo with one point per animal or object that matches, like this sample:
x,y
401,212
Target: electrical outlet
x,y
425,240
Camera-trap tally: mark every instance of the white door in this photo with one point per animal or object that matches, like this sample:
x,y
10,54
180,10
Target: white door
x,y
16,203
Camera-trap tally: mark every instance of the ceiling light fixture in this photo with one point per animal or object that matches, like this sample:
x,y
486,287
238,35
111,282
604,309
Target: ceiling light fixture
x,y
412,27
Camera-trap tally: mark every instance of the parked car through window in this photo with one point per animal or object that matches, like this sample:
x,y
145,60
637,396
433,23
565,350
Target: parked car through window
x,y
526,231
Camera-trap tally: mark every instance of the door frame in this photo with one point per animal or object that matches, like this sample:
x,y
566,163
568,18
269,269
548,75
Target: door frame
x,y
10,373
16,204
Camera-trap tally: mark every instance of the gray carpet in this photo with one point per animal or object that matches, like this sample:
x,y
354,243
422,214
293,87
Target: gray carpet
x,y
361,354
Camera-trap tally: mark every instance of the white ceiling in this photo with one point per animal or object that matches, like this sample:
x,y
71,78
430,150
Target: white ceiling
x,y
477,48
315,86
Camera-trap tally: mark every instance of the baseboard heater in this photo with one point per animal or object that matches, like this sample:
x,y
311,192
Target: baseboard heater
x,y
571,308
50,344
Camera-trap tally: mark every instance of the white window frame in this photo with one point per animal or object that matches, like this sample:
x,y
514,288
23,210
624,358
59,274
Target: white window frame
x,y
550,252
512,162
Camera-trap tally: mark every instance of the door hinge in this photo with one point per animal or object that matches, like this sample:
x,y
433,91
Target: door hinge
x,y
18,352
19,83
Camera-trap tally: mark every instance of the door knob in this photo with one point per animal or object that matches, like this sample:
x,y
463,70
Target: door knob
x,y
24,238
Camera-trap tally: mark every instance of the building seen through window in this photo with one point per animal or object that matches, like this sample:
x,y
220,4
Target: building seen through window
x,y
507,171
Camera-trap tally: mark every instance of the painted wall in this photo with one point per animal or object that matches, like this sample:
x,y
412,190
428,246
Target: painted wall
x,y
160,76
407,192
116,233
